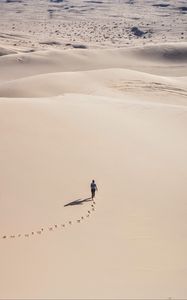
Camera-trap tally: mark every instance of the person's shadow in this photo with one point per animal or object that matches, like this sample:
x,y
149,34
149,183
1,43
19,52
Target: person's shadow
x,y
78,201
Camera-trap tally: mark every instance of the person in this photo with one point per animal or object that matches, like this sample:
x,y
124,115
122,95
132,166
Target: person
x,y
93,187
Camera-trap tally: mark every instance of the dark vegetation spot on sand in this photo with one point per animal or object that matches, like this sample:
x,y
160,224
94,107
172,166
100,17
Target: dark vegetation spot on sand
x,y
76,46
50,43
94,1
79,46
136,31
183,8
13,1
161,5
57,1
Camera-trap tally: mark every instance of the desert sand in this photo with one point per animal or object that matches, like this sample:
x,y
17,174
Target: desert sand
x,y
93,90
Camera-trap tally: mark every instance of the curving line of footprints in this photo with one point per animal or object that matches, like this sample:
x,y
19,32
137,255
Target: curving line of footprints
x,y
51,228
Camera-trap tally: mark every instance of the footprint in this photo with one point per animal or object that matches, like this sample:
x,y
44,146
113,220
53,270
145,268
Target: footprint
x,y
56,226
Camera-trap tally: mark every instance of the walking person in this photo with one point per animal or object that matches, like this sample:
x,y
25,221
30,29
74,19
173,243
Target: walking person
x,y
93,187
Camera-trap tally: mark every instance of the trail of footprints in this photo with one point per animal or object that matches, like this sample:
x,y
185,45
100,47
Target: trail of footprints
x,y
52,228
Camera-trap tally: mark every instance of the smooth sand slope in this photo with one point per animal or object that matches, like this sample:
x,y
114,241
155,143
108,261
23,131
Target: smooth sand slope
x,y
120,117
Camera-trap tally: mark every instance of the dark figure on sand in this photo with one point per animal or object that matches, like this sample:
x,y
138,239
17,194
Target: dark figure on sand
x,y
93,187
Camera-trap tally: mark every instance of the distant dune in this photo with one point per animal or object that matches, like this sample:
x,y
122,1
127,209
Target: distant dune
x,y
138,58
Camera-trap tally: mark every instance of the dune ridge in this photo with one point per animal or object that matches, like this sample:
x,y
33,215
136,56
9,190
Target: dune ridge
x,y
99,82
142,59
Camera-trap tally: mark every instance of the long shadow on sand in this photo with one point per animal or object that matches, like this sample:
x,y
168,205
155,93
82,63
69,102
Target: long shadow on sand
x,y
78,201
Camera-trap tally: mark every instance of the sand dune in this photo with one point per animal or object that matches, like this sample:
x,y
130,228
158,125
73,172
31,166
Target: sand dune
x,y
67,117
110,82
155,60
136,234
93,89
